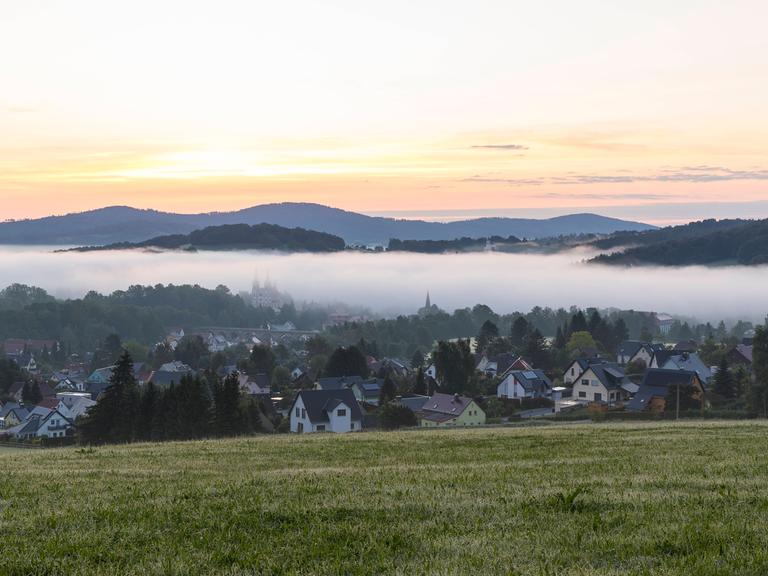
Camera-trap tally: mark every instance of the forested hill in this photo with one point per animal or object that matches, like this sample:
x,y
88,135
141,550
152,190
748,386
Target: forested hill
x,y
731,242
443,246
669,233
240,237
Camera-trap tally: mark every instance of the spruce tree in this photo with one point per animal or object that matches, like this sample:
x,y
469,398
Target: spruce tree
x,y
388,391
724,385
420,385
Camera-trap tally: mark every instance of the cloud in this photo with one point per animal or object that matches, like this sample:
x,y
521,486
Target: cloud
x,y
501,146
695,174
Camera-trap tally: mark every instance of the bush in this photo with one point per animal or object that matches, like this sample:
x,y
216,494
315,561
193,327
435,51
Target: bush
x,y
395,416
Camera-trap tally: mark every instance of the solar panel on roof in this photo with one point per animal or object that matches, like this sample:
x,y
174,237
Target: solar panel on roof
x,y
613,372
530,374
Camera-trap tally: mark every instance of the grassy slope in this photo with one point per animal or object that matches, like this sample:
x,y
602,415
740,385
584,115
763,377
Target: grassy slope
x,y
661,499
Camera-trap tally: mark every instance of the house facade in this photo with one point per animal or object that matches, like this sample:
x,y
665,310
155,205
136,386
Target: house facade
x,y
446,410
519,384
326,411
658,384
603,383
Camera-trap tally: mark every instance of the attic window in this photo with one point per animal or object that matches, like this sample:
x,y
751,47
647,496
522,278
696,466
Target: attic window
x,y
435,406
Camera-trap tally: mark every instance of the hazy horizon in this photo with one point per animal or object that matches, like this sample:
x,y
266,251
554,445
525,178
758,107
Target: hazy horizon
x,y
633,110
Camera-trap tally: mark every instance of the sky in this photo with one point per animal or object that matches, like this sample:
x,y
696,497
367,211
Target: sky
x,y
651,110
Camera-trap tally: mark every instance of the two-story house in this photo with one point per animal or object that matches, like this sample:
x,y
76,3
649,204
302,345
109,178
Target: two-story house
x,y
326,411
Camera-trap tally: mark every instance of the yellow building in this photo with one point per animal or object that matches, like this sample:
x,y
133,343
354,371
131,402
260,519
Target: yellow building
x,y
443,410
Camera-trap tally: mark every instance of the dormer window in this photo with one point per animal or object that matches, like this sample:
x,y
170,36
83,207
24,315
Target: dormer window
x,y
341,412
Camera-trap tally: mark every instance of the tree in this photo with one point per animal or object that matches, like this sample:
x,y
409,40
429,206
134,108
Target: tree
x,y
147,410
488,333
395,416
455,365
318,345
758,392
417,360
579,341
724,386
420,384
192,351
113,418
560,341
535,349
688,399
193,408
579,323
262,360
519,330
30,393
346,362
388,391
228,419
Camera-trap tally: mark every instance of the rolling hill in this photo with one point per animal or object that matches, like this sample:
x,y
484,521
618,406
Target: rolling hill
x,y
124,224
710,242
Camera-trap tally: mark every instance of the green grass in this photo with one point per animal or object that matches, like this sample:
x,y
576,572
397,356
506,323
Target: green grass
x,y
640,498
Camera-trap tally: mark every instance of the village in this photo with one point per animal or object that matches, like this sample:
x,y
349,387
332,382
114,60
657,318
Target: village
x,y
297,382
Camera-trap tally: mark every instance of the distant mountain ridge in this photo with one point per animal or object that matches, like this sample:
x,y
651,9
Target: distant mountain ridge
x,y
125,224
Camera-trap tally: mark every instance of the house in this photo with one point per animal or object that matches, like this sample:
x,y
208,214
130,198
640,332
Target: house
x,y
577,368
413,403
686,346
634,350
12,414
740,355
659,383
74,405
519,384
337,383
500,364
326,411
42,422
450,410
604,383
164,378
368,391
254,385
298,372
664,322
671,360
15,391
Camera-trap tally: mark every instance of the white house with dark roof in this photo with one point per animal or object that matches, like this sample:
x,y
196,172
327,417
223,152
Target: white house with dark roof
x,y
604,383
326,411
578,367
519,384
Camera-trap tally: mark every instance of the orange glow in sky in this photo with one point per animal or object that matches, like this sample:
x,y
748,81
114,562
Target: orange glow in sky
x,y
399,107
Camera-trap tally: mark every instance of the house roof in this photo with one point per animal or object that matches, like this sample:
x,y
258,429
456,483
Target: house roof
x,y
415,403
745,351
630,347
166,378
689,361
318,402
451,405
20,411
657,383
611,376
532,380
338,383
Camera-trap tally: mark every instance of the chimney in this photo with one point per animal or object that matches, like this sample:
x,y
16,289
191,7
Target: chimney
x,y
457,398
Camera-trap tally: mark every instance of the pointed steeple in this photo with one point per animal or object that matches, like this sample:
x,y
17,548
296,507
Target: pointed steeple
x,y
428,305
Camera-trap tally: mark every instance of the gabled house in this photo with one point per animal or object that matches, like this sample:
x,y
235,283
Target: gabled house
x,y
671,360
13,414
740,355
42,423
255,385
519,384
658,384
500,364
413,403
337,383
450,410
635,350
578,367
326,411
605,383
368,391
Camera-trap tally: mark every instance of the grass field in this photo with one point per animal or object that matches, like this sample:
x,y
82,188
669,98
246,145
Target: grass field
x,y
581,499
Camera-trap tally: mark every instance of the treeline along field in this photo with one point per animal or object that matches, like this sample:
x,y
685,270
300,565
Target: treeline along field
x,y
582,499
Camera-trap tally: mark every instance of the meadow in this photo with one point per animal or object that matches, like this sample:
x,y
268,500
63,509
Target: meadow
x,y
639,498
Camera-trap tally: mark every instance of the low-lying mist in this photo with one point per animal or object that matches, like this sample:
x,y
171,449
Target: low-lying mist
x,y
391,283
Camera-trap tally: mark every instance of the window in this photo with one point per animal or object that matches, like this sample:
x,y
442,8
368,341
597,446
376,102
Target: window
x,y
585,382
341,412
321,427
303,412
598,397
298,412
582,394
572,372
352,426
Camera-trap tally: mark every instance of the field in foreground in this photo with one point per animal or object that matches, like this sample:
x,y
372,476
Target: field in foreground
x,y
583,499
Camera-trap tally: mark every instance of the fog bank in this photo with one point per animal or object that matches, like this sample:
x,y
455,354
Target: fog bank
x,y
392,283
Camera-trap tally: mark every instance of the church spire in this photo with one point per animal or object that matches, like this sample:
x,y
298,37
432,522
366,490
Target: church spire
x,y
428,305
